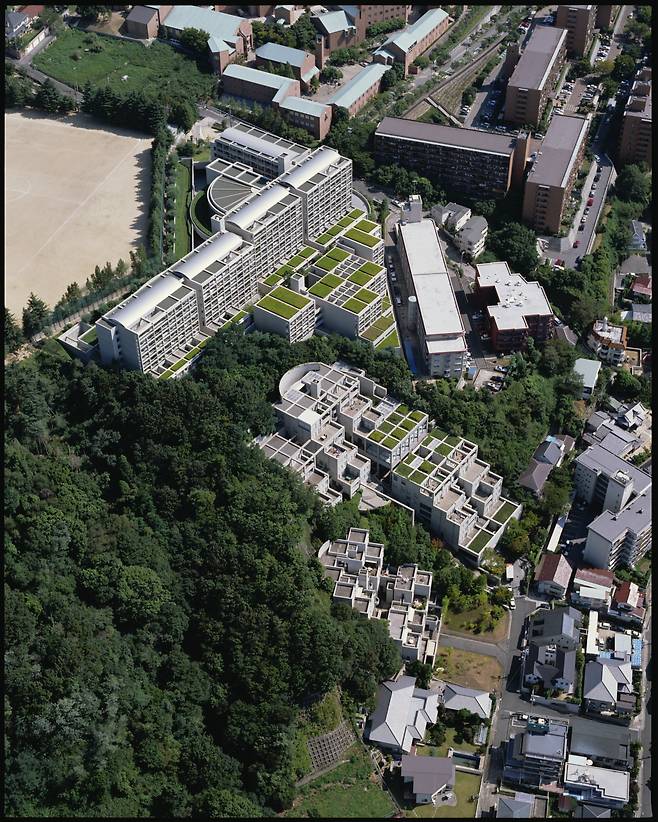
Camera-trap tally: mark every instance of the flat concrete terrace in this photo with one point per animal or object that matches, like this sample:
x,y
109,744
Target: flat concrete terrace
x,y
75,197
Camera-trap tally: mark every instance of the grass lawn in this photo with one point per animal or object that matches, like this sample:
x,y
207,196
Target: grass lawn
x,y
183,194
349,791
156,69
459,624
468,669
442,750
466,786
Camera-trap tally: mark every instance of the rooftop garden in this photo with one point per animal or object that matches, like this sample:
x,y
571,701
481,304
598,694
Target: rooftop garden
x,y
361,237
307,252
338,254
359,277
90,336
354,305
366,225
481,539
325,286
324,239
505,512
184,360
370,268
327,263
492,561
346,222
366,296
239,316
273,279
296,261
281,308
286,295
334,231
379,327
356,213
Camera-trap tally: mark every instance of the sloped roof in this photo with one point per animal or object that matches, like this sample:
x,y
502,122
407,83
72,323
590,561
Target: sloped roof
x,y
429,773
535,475
513,808
456,698
402,713
548,451
282,54
553,568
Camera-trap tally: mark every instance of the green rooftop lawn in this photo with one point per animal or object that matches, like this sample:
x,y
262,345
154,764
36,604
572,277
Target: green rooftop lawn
x,y
395,434
334,230
356,212
402,409
356,306
417,416
408,424
307,252
331,279
273,279
191,354
427,466
444,449
386,427
326,263
166,374
338,254
376,436
321,290
286,295
296,261
479,542
366,296
284,271
389,442
361,237
453,440
345,222
90,336
403,470
360,278
177,366
392,341
427,442
370,268
504,512
325,238
386,304
437,433
277,307
400,432
366,225
418,477
394,417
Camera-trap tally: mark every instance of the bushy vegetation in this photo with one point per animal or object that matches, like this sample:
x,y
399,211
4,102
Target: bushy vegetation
x,y
21,92
385,27
270,120
301,35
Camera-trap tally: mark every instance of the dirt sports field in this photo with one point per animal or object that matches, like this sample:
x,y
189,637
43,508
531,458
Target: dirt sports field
x,y
76,196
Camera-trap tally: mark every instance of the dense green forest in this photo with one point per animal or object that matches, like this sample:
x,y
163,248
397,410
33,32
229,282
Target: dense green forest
x,y
166,616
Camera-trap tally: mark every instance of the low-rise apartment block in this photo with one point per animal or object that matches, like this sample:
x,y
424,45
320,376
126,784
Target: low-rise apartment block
x,y
398,595
479,163
404,46
628,604
435,316
516,309
607,747
635,137
621,534
265,153
600,786
402,715
472,237
608,687
553,173
302,64
588,371
535,752
608,341
535,76
358,91
455,494
579,23
549,661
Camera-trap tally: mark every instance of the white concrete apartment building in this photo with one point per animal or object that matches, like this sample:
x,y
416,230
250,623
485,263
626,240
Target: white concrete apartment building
x,y
323,182
608,341
285,312
266,153
472,236
621,534
455,494
435,316
399,595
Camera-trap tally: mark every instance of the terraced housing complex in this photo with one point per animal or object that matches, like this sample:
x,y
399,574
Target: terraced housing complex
x,y
268,235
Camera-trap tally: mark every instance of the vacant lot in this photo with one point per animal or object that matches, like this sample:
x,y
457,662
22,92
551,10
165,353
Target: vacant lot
x,y
76,57
75,197
462,624
468,669
349,791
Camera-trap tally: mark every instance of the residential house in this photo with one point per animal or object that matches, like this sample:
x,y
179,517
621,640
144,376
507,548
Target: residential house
x,y
402,715
608,341
587,811
535,752
520,806
145,21
592,589
589,371
628,604
608,687
599,786
550,658
642,287
638,240
427,777
638,313
458,698
548,455
552,576
16,23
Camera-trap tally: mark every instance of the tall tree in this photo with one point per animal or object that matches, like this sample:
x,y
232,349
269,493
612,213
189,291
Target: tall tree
x,y
36,316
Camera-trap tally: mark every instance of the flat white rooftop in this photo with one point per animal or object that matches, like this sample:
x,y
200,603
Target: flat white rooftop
x,y
431,281
517,298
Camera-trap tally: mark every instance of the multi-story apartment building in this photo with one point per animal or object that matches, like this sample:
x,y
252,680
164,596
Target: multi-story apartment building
x,y
516,309
435,318
535,76
323,182
535,752
409,43
579,23
635,136
286,312
260,86
554,171
398,595
621,534
341,26
454,493
358,91
604,16
265,153
369,13
479,163
303,113
472,236
608,341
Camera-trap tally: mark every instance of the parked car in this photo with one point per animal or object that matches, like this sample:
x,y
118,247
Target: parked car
x,y
576,244
590,202
581,227
583,220
398,301
502,368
